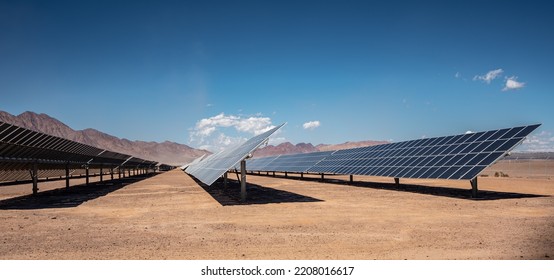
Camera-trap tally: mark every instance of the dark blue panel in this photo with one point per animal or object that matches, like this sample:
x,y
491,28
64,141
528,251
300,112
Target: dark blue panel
x,y
491,158
495,145
473,172
462,138
420,172
449,149
473,137
443,160
439,172
459,148
446,174
512,132
428,172
403,172
477,159
454,160
526,131
499,133
508,145
485,136
469,148
458,174
481,147
410,174
465,159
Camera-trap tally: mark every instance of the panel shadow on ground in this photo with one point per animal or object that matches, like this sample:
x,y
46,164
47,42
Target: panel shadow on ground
x,y
73,197
230,195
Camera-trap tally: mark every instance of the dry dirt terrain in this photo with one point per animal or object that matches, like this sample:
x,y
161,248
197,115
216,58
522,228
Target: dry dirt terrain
x,y
170,216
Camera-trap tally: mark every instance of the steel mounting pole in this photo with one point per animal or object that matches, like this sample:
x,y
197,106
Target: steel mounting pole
x,y
35,178
474,187
86,174
243,180
67,176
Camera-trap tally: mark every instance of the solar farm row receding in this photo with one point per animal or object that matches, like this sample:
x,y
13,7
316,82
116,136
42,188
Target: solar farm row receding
x,y
21,149
461,156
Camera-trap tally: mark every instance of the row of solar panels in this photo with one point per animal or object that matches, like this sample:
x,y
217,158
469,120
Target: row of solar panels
x,y
461,156
21,148
209,169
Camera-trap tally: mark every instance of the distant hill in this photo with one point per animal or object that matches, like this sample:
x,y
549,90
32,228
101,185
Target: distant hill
x,y
167,152
529,155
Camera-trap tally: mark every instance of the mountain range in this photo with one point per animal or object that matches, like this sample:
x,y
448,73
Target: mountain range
x,y
166,152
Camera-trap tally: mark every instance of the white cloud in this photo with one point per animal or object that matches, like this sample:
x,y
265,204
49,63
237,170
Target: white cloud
x,y
457,75
538,142
469,132
311,125
511,84
491,75
204,133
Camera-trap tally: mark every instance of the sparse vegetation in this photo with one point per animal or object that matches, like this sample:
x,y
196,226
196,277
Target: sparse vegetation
x,y
500,174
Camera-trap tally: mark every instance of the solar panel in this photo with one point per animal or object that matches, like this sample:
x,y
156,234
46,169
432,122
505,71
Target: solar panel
x,y
215,165
21,149
461,156
289,163
451,157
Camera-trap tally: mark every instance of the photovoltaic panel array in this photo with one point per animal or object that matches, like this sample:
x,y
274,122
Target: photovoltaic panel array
x,y
461,156
21,148
209,169
287,163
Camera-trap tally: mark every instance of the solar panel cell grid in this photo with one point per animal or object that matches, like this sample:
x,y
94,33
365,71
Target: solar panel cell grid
x,y
451,157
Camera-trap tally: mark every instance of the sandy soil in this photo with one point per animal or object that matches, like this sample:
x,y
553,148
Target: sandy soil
x,y
170,216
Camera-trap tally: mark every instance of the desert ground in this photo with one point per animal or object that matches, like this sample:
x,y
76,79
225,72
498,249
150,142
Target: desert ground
x,y
170,216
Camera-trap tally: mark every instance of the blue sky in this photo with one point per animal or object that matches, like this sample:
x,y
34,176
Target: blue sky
x,y
210,73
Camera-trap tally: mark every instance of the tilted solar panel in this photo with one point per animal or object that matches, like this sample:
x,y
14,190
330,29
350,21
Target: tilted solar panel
x,y
461,156
214,166
451,157
288,163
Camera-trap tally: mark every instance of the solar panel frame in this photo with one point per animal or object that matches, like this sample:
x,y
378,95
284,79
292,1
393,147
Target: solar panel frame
x,y
214,166
461,156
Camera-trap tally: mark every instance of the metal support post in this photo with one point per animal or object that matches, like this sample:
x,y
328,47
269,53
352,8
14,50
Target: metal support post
x,y
243,180
129,170
67,176
225,179
322,177
34,174
101,174
111,172
86,174
351,178
397,181
273,173
286,175
301,174
474,187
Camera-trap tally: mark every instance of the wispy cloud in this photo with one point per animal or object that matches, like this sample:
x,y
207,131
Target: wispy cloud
x,y
512,83
209,133
489,76
311,125
457,75
538,142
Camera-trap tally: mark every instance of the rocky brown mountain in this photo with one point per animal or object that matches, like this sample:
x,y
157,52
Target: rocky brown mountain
x,y
167,152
